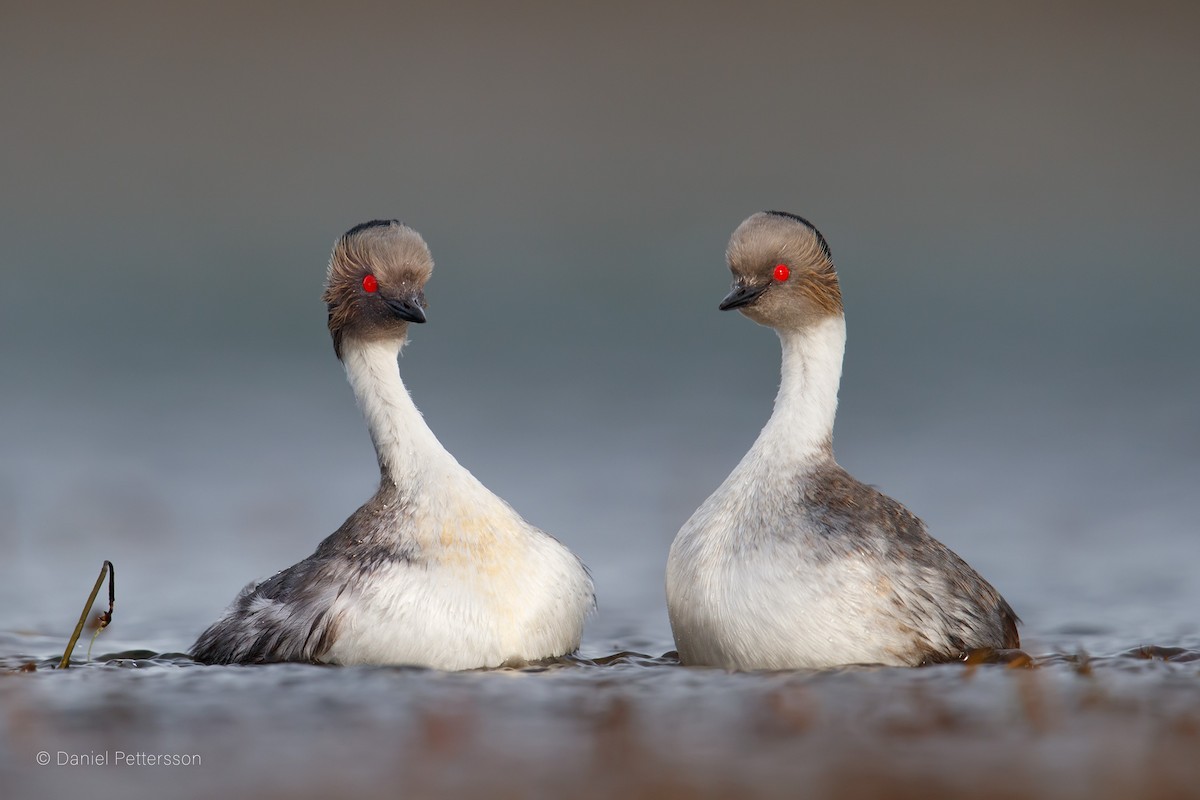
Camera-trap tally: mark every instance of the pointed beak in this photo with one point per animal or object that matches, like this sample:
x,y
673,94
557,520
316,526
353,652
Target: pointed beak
x,y
408,308
742,295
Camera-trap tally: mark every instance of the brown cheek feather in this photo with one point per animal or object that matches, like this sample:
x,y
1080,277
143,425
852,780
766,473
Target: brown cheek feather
x,y
823,289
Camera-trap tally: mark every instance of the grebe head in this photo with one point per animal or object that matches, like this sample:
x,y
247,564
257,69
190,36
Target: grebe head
x,y
783,275
376,280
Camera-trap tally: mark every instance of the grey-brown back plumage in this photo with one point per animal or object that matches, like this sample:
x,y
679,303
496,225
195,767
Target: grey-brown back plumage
x,y
290,616
851,516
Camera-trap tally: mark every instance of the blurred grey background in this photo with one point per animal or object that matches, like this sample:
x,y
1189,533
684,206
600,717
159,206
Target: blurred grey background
x,y
1010,192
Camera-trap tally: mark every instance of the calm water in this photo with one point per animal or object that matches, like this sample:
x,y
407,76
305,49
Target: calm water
x,y
1110,706
1120,726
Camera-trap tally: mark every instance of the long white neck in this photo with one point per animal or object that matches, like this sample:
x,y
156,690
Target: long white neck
x,y
801,426
404,444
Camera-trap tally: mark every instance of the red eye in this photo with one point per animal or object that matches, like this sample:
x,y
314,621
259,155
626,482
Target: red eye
x,y
782,272
370,284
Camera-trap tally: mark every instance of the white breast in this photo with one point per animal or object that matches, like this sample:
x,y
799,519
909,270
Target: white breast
x,y
488,589
747,589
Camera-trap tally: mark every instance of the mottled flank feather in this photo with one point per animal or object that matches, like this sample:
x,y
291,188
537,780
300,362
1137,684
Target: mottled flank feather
x,y
928,581
292,616
271,621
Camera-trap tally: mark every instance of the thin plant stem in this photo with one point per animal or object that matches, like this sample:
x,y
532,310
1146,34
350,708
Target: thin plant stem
x,y
105,618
